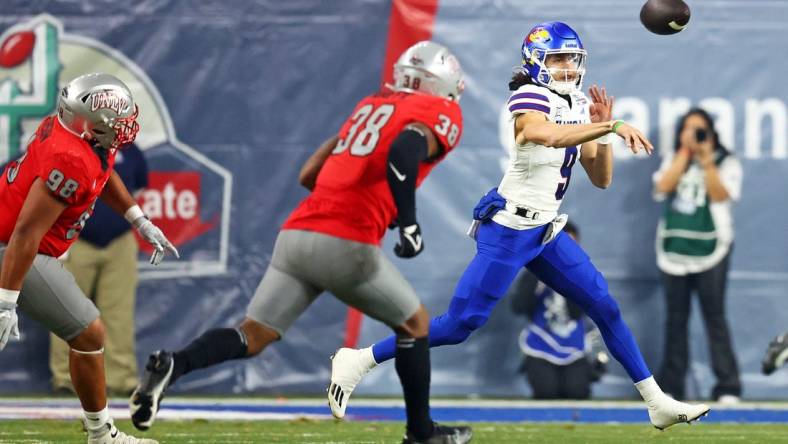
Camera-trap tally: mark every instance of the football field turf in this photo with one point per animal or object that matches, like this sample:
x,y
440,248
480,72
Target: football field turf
x,y
308,420
328,431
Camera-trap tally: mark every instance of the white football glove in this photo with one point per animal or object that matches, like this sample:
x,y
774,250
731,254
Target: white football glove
x,y
9,322
156,238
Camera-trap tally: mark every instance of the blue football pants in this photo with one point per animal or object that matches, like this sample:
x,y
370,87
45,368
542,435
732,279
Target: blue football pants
x,y
561,264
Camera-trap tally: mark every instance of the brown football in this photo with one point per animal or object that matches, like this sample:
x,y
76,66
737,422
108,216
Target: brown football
x,y
665,17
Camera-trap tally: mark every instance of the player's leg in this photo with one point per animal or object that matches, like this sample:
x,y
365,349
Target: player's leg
x,y
279,300
412,364
501,253
567,269
470,307
51,296
362,277
678,298
84,266
711,292
86,364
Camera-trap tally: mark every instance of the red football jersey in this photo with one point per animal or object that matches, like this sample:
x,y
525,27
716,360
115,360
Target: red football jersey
x,y
351,198
70,170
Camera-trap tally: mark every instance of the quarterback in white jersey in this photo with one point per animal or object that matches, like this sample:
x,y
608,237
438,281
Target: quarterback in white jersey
x,y
538,175
554,125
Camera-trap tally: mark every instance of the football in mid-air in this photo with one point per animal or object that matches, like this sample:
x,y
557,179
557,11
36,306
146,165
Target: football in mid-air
x,y
665,17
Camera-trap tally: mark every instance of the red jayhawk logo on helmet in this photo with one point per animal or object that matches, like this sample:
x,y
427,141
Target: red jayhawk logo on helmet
x,y
539,35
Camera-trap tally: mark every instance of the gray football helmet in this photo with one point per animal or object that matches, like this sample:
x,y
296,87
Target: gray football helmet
x,y
430,68
99,107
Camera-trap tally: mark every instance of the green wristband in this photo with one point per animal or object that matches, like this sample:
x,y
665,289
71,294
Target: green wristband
x,y
616,125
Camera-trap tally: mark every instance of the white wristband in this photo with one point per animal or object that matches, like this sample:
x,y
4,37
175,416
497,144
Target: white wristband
x,y
9,295
607,139
133,214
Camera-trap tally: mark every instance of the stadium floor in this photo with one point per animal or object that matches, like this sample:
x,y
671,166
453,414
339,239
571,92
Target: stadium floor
x,y
449,410
314,432
253,420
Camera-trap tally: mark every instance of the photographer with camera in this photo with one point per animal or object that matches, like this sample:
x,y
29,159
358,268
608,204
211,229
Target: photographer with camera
x,y
694,241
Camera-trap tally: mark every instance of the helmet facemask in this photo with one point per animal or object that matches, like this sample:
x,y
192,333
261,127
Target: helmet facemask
x,y
560,80
118,131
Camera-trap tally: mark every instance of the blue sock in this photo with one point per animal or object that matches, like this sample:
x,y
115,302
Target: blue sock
x,y
384,350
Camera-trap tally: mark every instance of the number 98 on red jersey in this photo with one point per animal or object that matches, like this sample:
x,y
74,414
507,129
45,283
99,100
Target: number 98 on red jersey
x,y
70,170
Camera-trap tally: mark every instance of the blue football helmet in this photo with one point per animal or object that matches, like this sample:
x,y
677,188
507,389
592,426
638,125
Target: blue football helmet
x,y
554,38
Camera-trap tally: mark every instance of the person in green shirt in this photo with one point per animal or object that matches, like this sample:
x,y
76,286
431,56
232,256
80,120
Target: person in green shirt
x,y
694,241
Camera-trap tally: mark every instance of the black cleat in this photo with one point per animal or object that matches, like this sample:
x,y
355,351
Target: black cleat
x,y
442,435
146,398
776,354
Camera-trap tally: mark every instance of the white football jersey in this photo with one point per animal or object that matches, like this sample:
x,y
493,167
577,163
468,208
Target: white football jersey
x,y
538,176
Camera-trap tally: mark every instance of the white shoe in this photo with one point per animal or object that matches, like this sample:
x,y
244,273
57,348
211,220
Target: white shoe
x,y
112,435
348,367
666,412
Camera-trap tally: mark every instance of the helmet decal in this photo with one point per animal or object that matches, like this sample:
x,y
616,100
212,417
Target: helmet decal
x,y
539,35
109,100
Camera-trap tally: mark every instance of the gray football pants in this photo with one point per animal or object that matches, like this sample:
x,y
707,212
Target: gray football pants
x,y
306,263
50,295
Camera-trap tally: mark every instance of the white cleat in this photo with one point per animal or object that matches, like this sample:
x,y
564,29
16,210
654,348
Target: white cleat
x,y
112,435
667,412
348,367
